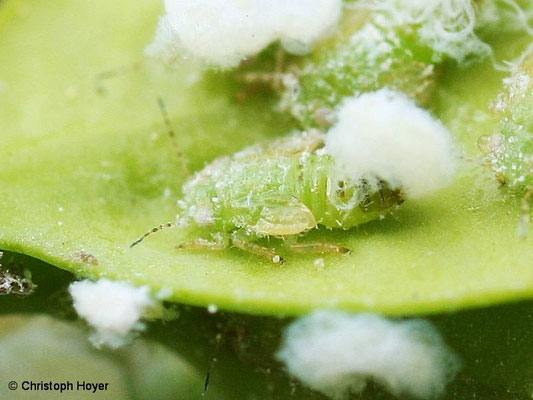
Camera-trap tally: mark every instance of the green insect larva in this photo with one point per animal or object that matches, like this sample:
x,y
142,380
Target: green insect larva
x,y
292,185
510,150
282,189
391,43
351,47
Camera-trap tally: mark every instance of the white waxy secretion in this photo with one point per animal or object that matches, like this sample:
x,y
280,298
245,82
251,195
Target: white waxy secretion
x,y
336,353
113,309
224,32
446,26
383,135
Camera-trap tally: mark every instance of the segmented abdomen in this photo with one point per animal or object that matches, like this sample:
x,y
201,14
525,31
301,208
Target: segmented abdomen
x,y
232,193
235,191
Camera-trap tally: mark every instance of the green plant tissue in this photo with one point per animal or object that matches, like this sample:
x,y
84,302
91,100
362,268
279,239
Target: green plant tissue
x,y
86,167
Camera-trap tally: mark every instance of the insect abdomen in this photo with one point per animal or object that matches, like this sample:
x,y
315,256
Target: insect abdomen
x,y
237,193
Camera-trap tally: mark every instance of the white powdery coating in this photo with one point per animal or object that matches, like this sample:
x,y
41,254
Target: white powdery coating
x,y
383,135
113,309
224,32
447,26
336,353
517,88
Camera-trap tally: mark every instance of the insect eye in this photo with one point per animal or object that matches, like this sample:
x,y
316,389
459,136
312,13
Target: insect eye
x,y
344,196
366,203
341,191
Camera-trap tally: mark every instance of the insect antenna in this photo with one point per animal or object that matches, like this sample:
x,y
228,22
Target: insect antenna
x,y
153,230
172,136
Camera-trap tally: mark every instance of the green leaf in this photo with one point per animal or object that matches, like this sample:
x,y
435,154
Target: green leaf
x,y
86,173
491,342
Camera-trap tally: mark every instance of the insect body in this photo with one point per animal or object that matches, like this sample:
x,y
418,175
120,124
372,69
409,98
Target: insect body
x,y
280,190
395,44
509,151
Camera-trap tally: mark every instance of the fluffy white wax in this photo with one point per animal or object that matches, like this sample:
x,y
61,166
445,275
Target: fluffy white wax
x,y
383,135
224,32
336,353
113,309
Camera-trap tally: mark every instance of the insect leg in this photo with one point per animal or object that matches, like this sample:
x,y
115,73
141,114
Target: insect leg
x,y
274,79
247,245
270,79
316,248
219,242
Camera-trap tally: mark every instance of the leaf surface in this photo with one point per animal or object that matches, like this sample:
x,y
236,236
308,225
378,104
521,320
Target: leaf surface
x,y
84,173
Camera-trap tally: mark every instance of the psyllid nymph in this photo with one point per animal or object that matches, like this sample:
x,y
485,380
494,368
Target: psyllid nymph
x,y
382,150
